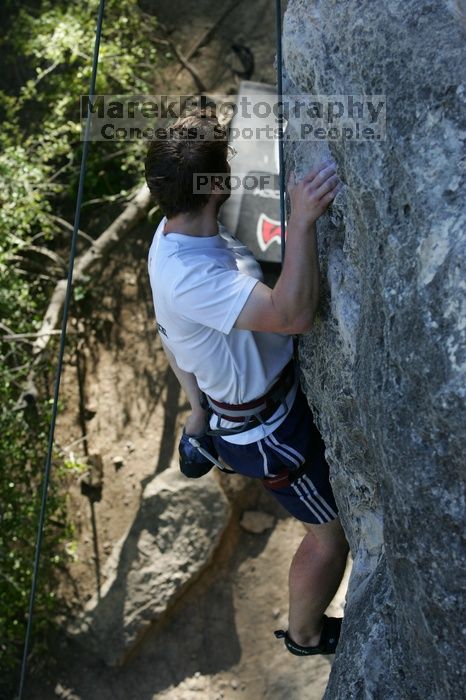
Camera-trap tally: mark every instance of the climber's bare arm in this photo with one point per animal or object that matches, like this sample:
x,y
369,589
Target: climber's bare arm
x,y
291,305
196,421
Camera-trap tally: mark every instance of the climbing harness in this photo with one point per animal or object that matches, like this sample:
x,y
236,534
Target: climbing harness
x,y
61,350
253,413
68,294
284,478
195,443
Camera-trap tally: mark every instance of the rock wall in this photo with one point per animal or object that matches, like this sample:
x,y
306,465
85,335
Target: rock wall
x,y
384,366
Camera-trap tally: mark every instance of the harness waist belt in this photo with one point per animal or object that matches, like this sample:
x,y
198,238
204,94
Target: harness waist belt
x,y
262,407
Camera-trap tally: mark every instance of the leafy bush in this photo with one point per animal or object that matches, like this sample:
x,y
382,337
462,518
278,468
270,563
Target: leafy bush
x,y
47,47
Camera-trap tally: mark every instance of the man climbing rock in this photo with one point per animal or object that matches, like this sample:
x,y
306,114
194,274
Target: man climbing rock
x,y
228,337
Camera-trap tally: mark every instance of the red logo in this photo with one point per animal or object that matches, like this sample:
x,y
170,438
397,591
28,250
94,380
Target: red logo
x,y
268,230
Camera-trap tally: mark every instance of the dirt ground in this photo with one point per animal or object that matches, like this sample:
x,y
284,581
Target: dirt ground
x,y
121,400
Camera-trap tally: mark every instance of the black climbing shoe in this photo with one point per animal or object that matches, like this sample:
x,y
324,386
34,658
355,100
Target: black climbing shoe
x,y
328,639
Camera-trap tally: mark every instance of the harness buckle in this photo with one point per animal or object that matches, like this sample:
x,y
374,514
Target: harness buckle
x,y
253,413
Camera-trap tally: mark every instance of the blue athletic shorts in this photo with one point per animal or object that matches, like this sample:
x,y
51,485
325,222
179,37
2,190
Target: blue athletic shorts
x,y
294,443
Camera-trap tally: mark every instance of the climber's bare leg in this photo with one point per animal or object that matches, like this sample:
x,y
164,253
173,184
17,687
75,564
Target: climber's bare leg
x,y
315,575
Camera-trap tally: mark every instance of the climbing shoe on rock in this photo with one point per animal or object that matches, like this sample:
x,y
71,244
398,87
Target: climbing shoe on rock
x,y
328,639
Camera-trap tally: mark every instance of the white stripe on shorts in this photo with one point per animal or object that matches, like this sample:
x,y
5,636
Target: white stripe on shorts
x,y
264,457
329,510
288,447
281,452
312,498
308,504
310,483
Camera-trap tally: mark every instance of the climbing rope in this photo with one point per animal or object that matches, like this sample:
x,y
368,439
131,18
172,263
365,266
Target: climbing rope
x,y
61,350
68,296
281,158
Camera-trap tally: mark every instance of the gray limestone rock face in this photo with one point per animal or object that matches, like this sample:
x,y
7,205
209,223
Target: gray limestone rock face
x,y
384,366
173,538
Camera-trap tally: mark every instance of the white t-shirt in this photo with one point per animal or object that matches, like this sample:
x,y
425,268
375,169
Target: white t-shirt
x,y
199,285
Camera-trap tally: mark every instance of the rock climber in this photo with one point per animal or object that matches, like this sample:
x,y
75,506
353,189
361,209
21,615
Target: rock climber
x,y
229,339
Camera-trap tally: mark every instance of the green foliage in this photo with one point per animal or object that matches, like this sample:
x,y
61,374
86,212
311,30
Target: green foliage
x,y
46,50
20,484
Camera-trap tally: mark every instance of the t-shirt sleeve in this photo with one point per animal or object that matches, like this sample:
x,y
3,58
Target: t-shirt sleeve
x,y
213,295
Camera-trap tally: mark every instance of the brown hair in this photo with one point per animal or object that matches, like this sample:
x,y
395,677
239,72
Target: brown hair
x,y
193,144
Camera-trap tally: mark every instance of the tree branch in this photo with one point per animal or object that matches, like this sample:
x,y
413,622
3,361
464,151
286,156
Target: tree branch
x,y
185,63
90,260
207,34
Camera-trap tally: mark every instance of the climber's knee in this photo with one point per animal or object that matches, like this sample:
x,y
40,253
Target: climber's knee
x,y
329,539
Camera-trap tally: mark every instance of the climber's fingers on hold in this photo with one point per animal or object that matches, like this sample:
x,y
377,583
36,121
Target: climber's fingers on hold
x,y
330,195
314,178
317,189
327,186
325,170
